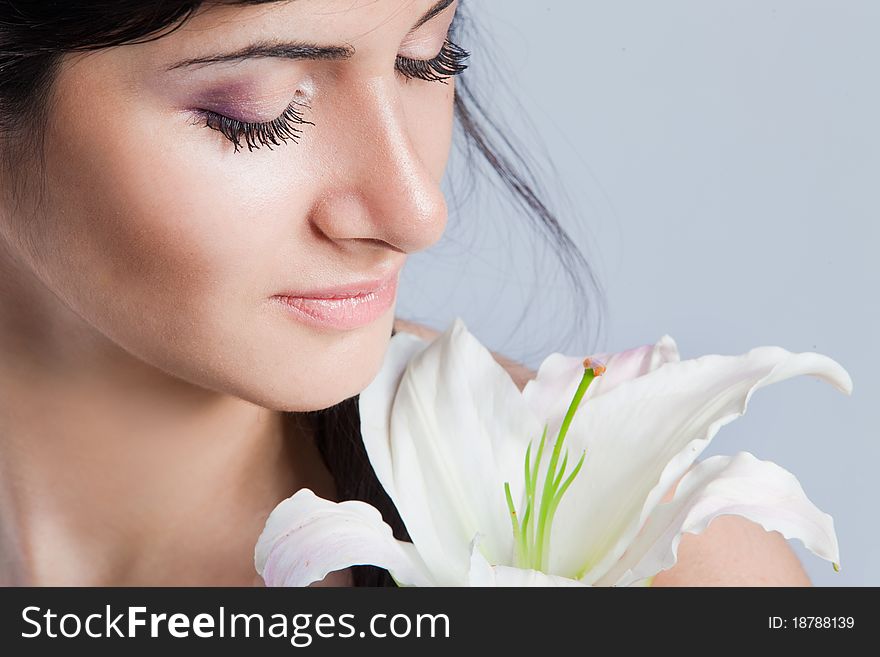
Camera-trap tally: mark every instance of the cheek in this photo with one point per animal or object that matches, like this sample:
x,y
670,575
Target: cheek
x,y
144,221
159,209
431,122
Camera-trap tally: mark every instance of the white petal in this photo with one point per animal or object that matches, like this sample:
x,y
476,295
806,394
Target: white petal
x,y
483,574
445,426
551,391
644,434
376,403
740,485
306,537
645,581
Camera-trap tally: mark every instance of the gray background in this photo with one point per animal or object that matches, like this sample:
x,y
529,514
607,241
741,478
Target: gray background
x,y
718,163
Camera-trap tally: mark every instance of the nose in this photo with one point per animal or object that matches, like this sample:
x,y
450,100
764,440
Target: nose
x,y
382,181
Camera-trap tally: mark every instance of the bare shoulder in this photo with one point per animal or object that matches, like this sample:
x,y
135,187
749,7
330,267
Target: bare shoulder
x,y
733,551
519,373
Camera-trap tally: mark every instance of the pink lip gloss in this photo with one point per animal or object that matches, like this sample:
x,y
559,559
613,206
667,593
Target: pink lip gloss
x,y
341,311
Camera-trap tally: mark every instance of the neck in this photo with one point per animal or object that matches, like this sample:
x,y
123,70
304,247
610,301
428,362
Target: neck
x,y
113,472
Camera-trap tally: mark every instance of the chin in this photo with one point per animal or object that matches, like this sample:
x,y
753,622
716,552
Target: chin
x,y
339,367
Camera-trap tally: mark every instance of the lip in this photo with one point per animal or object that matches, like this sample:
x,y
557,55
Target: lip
x,y
342,307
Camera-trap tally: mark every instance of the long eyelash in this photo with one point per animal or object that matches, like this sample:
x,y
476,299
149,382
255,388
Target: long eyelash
x,y
449,61
266,133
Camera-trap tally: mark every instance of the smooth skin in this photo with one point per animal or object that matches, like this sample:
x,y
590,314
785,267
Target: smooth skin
x,y
142,366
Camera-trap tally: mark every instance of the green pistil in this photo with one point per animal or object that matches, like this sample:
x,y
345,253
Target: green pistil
x,y
532,532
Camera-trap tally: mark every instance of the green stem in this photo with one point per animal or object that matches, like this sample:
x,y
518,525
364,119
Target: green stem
x,y
512,508
532,543
528,530
545,548
548,491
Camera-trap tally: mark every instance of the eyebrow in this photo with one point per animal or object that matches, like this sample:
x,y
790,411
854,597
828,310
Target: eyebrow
x,y
297,49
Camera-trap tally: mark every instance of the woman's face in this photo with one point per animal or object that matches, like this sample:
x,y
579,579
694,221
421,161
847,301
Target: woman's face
x,y
161,235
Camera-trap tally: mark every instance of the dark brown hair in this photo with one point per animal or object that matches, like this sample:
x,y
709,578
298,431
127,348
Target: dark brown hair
x,y
35,35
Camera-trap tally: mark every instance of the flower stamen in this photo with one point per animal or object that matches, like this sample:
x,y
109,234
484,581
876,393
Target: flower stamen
x,y
531,536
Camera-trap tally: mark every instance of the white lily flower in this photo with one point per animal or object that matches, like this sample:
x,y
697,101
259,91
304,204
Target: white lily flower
x,y
488,502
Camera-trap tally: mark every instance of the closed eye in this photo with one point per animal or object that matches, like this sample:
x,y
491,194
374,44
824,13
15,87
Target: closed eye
x,y
448,62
